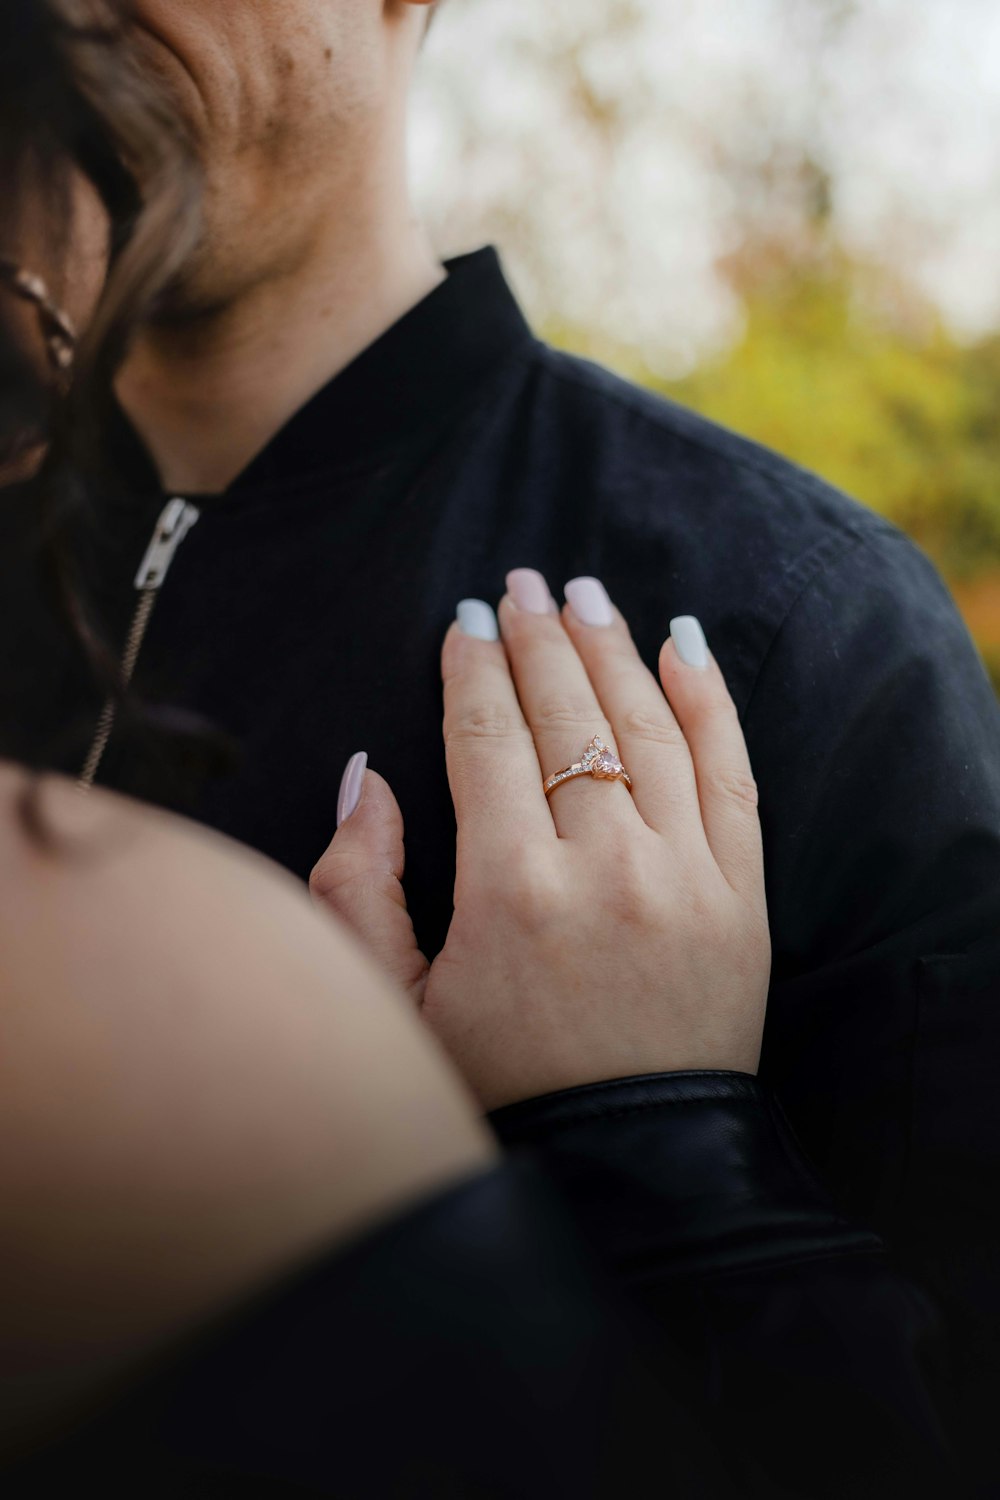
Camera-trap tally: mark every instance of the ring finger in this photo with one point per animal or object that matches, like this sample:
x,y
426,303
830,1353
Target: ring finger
x,y
560,704
651,741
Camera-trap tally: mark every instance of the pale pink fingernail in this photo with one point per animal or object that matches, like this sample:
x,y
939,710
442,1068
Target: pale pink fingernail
x,y
529,591
588,599
351,787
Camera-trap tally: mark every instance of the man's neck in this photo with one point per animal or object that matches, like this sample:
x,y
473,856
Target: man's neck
x,y
207,394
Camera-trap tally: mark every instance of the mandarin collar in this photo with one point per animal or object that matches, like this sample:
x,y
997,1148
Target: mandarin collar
x,y
426,365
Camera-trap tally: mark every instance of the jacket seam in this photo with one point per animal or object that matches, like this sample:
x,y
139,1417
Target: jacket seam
x,y
603,1113
825,552
686,1269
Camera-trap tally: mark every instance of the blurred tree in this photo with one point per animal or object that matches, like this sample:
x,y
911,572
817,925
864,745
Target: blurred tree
x,y
841,370
891,409
729,205
847,373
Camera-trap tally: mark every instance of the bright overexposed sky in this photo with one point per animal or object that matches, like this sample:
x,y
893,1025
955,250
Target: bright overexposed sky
x,y
610,147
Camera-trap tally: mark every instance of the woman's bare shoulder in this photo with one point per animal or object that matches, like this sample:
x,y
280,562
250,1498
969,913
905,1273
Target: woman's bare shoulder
x,y
205,1060
46,821
42,813
108,905
68,857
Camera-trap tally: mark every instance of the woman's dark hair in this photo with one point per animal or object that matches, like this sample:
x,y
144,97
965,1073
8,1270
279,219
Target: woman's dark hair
x,y
72,101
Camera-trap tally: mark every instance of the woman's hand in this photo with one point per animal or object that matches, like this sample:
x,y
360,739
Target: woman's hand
x,y
597,933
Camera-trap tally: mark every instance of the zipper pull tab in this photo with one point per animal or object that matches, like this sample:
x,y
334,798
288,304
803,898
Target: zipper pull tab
x,y
171,529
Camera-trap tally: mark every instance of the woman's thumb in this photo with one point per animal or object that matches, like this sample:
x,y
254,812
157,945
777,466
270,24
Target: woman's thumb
x,y
359,878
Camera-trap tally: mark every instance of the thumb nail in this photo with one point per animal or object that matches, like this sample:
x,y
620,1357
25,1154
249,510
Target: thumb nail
x,y
351,786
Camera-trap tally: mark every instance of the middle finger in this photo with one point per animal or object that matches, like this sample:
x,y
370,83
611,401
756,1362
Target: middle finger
x,y
561,706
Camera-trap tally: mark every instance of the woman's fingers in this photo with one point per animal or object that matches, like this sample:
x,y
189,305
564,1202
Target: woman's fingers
x,y
492,765
650,740
514,717
560,704
727,790
359,878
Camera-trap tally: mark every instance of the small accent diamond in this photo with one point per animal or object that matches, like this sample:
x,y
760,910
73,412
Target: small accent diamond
x,y
593,751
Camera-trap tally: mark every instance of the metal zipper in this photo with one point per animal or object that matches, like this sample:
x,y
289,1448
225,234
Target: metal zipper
x,y
171,529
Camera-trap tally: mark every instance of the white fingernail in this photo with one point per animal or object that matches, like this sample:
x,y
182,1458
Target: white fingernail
x,y
477,619
689,641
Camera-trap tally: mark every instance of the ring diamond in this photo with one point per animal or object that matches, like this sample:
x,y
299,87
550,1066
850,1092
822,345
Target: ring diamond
x,y
598,761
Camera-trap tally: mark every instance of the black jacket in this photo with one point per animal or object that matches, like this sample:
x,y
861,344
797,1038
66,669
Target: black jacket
x,y
654,1292
304,614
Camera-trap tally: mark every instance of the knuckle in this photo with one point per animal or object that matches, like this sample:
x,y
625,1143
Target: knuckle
x,y
652,728
739,787
343,882
565,710
621,851
482,721
324,875
631,898
530,893
330,881
630,908
715,712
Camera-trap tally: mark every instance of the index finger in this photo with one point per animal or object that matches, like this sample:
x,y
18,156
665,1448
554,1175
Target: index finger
x,y
496,781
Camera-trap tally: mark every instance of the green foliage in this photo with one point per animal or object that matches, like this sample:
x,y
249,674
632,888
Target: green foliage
x,y
991,657
846,374
852,381
880,402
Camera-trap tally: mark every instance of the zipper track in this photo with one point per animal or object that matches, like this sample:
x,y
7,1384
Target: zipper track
x,y
106,723
171,529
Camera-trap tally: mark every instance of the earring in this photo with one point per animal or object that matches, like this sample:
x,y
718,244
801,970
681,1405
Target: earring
x,y
57,329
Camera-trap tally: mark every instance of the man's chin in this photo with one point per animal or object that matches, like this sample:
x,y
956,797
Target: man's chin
x,y
200,295
185,303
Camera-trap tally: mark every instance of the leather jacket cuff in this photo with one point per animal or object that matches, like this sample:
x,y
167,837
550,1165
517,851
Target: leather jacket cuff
x,y
682,1173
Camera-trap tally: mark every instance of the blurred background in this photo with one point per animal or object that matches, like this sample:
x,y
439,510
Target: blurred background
x,y
784,213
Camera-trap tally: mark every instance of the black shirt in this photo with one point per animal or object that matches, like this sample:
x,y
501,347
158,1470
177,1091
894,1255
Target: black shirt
x,y
305,611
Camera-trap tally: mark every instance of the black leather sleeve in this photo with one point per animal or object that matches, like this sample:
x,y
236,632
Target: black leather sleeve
x,y
470,1349
821,1369
747,1343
